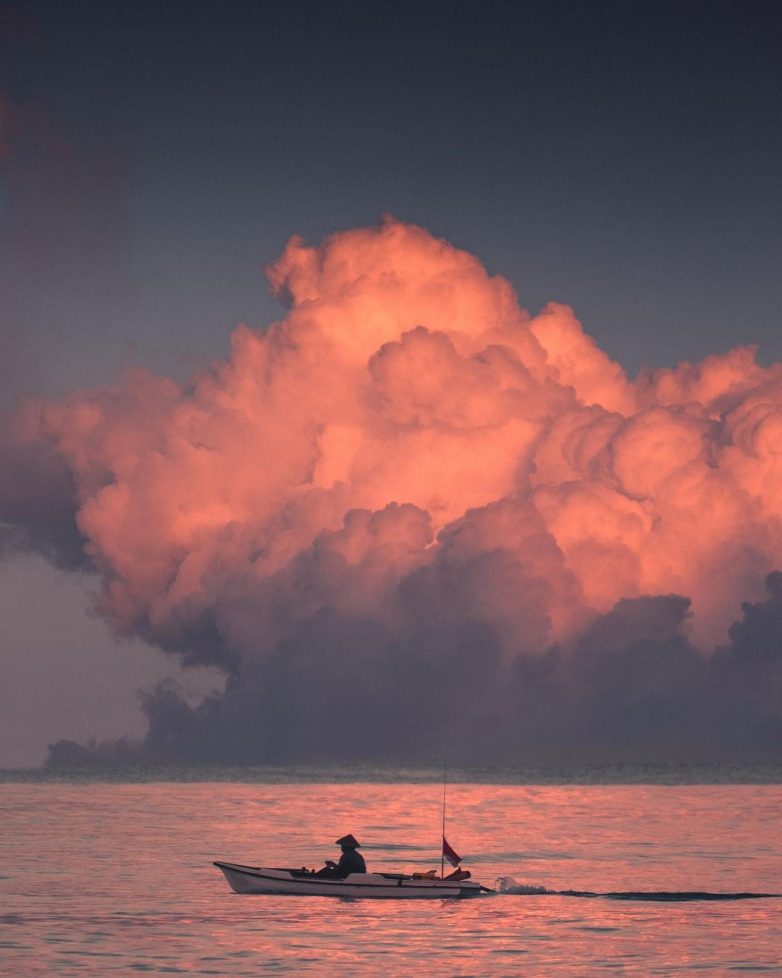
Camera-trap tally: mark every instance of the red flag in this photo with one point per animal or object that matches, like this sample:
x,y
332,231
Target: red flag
x,y
449,854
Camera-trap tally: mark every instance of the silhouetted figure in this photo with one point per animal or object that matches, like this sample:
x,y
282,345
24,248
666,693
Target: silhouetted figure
x,y
349,862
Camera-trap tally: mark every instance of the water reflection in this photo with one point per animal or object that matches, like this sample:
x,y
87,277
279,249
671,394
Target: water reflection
x,y
118,878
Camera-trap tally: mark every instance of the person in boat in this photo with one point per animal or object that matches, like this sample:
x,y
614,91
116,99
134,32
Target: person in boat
x,y
349,862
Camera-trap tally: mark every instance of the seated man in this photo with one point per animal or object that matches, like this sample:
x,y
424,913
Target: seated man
x,y
349,862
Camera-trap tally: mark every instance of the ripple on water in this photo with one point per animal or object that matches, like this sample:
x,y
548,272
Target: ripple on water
x,y
135,891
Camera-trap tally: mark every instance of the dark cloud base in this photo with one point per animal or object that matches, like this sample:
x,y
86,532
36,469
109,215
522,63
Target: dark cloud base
x,y
631,690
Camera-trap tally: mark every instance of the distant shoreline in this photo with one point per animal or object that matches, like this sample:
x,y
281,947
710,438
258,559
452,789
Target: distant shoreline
x,y
615,774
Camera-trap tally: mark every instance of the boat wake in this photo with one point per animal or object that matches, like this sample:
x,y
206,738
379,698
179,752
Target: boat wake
x,y
507,886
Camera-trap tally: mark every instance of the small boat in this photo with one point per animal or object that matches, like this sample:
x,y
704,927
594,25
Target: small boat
x,y
303,882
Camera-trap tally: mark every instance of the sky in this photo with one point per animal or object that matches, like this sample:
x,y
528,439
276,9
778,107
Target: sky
x,y
172,491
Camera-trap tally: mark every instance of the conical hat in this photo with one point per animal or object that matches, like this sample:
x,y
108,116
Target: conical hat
x,y
348,842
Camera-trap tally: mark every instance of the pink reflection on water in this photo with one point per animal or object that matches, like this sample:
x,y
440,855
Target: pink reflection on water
x,y
104,878
574,837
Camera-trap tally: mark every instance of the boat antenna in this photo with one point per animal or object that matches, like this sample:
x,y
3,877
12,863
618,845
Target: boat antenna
x,y
442,842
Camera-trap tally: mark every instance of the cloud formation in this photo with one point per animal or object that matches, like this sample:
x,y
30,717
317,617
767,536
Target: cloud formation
x,y
411,515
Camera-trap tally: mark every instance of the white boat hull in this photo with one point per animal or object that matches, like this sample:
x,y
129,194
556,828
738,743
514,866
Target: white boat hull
x,y
255,879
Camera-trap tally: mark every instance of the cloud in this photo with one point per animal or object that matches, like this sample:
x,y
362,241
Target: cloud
x,y
37,495
410,514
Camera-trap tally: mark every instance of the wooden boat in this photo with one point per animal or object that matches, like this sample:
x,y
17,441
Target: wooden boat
x,y
302,882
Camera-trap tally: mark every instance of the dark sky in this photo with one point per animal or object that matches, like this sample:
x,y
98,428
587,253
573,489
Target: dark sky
x,y
623,158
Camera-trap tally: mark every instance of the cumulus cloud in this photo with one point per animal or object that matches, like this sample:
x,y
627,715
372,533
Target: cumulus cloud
x,y
410,514
37,495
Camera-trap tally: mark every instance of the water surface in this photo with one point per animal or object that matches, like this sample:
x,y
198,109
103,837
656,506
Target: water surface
x,y
110,879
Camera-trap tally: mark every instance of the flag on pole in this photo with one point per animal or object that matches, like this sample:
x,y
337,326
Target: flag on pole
x,y
450,855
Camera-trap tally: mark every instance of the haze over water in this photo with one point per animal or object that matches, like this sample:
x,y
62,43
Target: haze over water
x,y
116,878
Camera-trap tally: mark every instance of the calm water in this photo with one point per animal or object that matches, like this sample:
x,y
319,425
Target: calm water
x,y
109,879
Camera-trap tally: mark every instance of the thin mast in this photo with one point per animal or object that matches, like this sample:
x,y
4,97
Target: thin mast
x,y
442,843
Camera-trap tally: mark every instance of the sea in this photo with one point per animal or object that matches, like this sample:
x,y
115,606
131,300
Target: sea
x,y
597,873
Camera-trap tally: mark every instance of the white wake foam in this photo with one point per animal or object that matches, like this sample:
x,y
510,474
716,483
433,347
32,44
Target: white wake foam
x,y
507,884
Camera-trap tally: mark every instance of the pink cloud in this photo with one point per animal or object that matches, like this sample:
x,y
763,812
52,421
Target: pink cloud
x,y
407,446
